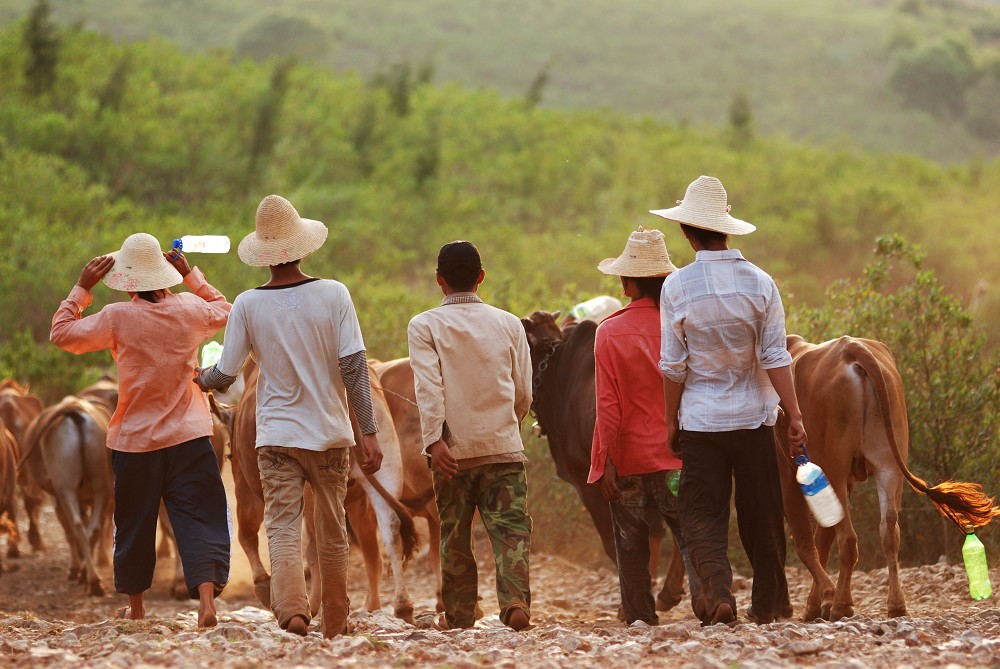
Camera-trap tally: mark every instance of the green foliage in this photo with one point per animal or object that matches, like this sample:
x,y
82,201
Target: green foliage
x,y
46,369
934,77
42,38
952,388
741,120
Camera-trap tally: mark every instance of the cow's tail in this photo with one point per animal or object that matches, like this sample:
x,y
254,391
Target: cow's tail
x,y
965,504
407,530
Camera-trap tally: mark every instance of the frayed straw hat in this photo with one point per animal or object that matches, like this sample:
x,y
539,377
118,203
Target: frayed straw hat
x,y
140,266
705,205
281,235
645,254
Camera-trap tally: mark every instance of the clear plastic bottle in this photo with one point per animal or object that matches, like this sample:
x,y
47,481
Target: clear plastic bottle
x,y
203,244
596,309
974,556
674,481
210,353
822,500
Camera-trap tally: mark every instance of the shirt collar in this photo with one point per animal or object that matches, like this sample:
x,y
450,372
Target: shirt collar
x,y
727,254
460,298
638,304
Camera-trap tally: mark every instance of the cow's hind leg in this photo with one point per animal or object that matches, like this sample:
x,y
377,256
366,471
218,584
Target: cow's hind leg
x,y
847,553
672,592
890,493
250,516
361,516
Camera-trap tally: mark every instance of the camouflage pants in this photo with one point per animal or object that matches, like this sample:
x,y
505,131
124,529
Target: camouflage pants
x,y
499,492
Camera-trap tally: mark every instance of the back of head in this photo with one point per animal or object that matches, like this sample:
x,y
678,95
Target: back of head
x,y
459,264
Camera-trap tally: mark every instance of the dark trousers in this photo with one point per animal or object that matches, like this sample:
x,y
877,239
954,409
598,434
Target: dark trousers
x,y
645,499
713,461
186,477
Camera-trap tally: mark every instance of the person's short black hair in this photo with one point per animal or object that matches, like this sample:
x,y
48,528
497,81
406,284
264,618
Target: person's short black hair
x,y
704,237
459,264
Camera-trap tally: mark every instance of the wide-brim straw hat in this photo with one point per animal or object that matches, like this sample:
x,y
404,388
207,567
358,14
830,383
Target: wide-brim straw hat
x,y
140,266
645,255
706,206
281,235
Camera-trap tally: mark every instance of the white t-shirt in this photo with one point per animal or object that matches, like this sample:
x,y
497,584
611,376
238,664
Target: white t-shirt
x,y
297,334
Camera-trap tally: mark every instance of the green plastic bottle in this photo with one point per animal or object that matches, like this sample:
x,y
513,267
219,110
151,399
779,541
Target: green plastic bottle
x,y
974,555
674,481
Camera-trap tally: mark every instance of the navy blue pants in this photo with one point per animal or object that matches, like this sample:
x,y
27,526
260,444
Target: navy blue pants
x,y
186,477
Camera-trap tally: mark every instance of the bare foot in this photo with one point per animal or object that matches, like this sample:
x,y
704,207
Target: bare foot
x,y
206,614
127,613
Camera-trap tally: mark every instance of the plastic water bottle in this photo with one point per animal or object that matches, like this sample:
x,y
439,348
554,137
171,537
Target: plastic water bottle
x,y
974,555
203,244
674,481
596,309
210,353
822,500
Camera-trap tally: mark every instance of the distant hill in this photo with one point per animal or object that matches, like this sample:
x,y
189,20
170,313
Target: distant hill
x,y
900,76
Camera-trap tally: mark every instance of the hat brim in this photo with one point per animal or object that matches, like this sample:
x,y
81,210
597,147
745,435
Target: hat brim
x,y
258,252
622,266
725,223
164,275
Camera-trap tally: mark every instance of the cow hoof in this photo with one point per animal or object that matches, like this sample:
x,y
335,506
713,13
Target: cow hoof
x,y
262,588
75,575
839,612
825,611
179,592
405,613
897,611
95,589
13,551
35,540
666,603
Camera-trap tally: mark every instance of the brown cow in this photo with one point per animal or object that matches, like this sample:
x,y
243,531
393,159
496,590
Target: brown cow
x,y
65,449
565,404
8,490
396,380
381,490
854,409
18,407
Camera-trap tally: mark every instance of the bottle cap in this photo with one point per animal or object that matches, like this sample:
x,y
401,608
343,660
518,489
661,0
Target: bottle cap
x,y
801,460
178,244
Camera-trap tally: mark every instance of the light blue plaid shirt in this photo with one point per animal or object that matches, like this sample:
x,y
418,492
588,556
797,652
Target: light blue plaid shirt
x,y
722,326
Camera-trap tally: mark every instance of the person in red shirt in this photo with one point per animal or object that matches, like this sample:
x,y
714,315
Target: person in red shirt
x,y
159,433
630,460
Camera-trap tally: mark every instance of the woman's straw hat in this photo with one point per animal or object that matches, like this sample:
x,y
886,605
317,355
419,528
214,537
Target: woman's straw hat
x,y
140,266
705,206
645,254
281,235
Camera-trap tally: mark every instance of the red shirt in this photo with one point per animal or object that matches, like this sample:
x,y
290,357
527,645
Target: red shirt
x,y
631,424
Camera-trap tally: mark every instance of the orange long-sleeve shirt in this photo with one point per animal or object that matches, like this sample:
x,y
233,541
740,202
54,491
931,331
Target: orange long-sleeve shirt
x,y
155,345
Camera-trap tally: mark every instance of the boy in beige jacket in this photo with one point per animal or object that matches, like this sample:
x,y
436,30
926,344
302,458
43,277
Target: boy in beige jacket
x,y
472,375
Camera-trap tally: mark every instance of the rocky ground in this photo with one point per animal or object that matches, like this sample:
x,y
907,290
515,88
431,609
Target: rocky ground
x,y
46,621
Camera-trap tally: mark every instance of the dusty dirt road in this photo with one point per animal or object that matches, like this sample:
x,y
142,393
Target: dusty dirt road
x,y
46,621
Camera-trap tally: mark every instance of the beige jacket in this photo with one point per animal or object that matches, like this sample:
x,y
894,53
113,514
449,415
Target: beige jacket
x,y
471,369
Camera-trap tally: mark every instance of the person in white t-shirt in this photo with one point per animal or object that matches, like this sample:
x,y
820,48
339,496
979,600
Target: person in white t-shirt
x,y
304,335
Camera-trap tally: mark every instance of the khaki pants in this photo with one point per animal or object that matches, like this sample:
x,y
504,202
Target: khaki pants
x,y
283,475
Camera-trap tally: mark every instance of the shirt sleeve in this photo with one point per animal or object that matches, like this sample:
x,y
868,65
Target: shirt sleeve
x,y
428,382
774,353
217,307
349,328
607,427
354,371
522,373
81,335
673,347
237,344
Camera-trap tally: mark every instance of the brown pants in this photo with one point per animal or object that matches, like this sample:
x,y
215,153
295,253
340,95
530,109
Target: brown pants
x,y
283,475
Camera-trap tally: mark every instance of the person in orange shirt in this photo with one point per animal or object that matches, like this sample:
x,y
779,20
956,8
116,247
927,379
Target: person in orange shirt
x,y
630,460
159,433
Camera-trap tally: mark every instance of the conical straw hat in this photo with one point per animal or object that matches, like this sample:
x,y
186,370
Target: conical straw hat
x,y
281,235
705,205
140,266
645,254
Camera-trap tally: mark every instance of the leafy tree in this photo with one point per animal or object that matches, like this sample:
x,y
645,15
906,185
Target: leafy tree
x,y
535,92
282,36
265,132
934,77
42,38
741,120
